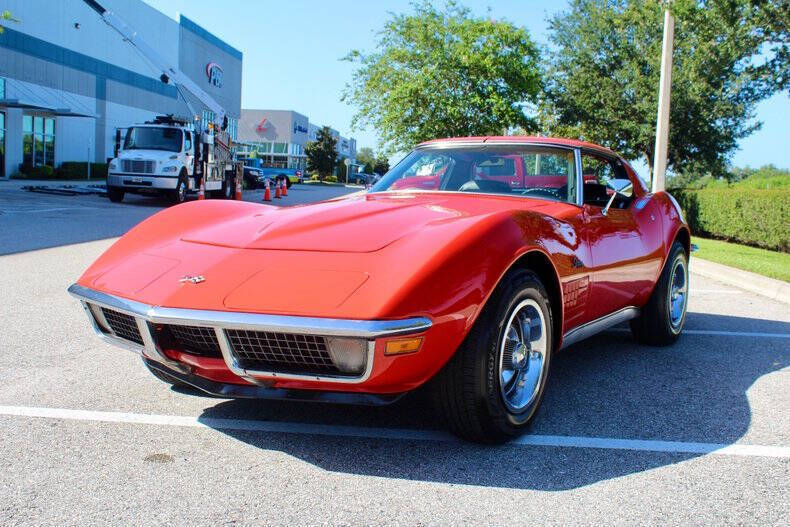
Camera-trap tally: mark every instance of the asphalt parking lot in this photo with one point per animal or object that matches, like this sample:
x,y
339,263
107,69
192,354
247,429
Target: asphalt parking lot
x,y
697,433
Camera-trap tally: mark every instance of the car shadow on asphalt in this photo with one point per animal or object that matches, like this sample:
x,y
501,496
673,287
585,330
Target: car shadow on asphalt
x,y
608,386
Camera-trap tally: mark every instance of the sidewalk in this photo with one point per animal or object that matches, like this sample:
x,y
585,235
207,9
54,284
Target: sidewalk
x,y
17,184
762,285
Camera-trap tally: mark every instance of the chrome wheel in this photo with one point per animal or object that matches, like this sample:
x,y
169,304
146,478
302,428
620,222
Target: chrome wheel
x,y
522,356
678,293
182,191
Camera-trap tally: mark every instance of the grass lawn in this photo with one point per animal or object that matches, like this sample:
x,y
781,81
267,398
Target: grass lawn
x,y
324,183
760,261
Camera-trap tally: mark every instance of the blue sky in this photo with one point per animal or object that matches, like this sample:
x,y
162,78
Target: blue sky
x,y
292,51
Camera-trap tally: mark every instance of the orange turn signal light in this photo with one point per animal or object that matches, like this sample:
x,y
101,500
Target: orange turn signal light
x,y
402,346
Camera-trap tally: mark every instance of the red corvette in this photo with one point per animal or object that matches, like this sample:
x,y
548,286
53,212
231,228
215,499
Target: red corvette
x,y
469,265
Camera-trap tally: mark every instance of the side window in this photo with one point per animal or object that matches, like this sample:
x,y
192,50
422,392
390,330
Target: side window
x,y
597,171
188,142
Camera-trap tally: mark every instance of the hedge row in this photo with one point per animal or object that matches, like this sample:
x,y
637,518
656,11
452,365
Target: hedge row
x,y
749,216
66,170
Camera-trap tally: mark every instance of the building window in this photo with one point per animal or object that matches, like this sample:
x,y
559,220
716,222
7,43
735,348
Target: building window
x,y
232,128
281,148
2,88
2,144
206,117
38,140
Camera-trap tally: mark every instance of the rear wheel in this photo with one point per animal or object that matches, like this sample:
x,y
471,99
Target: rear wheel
x,y
115,194
664,314
492,387
229,188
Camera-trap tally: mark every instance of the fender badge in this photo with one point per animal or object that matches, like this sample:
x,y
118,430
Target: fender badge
x,y
192,279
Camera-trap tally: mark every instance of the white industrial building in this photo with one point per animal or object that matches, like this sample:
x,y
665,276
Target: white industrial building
x,y
68,81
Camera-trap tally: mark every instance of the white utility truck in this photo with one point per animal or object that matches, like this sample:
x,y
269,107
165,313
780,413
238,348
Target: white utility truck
x,y
169,154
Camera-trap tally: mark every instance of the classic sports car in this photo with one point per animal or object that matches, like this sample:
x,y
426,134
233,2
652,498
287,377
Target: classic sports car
x,y
517,248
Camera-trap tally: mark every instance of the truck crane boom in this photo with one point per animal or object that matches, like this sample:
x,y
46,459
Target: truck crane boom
x,y
168,73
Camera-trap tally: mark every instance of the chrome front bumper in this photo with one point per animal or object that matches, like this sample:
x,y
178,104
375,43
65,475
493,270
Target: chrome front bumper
x,y
220,321
138,181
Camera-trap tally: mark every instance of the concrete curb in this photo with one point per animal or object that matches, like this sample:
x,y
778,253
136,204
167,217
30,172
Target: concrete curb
x,y
755,283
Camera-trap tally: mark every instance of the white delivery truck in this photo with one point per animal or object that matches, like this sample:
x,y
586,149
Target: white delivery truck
x,y
170,156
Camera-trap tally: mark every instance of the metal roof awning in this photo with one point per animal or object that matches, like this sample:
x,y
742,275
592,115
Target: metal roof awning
x,y
61,112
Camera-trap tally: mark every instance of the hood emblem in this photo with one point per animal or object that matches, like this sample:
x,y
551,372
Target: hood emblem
x,y
190,279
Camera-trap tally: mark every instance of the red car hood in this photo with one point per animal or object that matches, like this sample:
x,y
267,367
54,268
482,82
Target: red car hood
x,y
308,260
353,225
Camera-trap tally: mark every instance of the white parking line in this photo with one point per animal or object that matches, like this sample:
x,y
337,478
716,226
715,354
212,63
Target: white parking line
x,y
756,334
721,291
645,445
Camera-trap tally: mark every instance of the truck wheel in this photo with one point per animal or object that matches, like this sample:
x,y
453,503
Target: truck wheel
x,y
229,188
664,314
492,387
115,194
179,194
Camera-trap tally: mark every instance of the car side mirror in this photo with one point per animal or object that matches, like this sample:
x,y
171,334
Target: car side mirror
x,y
619,187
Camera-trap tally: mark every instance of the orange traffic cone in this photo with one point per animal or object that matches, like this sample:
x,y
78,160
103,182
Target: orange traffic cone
x,y
202,191
238,186
277,191
285,188
267,196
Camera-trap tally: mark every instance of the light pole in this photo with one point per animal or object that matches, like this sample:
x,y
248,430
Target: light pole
x,y
664,89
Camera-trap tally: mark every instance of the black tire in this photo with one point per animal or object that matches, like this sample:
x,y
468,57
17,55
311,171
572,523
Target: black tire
x,y
115,194
657,325
179,194
228,188
468,391
162,376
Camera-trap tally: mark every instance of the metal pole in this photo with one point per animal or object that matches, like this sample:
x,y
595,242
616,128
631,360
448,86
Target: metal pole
x,y
89,159
662,121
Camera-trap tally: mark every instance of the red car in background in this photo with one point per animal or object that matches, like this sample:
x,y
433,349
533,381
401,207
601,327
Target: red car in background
x,y
469,265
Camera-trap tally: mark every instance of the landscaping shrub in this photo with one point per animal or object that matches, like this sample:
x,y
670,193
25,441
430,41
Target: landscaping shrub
x,y
79,170
745,215
31,172
331,179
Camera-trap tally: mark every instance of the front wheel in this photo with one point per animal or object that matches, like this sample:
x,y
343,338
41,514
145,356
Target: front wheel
x,y
664,314
492,387
179,194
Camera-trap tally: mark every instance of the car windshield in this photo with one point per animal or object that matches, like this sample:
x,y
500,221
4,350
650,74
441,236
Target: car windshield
x,y
153,138
522,170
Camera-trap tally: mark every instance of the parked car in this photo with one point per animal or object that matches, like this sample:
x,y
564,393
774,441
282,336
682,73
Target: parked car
x,y
360,178
474,283
254,178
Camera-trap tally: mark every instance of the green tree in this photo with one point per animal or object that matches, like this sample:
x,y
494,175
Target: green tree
x,y
603,78
770,23
444,73
6,16
368,168
366,156
322,153
382,165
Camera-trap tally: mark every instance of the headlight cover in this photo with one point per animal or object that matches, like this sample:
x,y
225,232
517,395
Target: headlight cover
x,y
349,355
170,169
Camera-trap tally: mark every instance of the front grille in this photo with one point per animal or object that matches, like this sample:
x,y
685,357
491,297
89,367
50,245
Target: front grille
x,y
281,352
195,340
122,325
137,166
